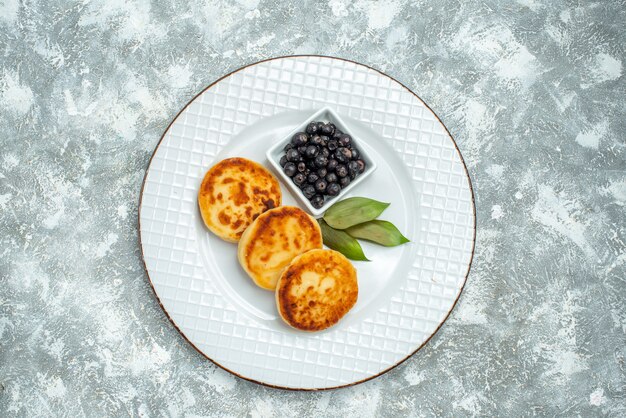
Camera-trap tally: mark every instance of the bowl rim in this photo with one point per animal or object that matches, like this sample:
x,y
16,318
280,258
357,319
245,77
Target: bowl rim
x,y
274,158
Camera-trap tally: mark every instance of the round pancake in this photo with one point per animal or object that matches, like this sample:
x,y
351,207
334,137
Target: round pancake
x,y
273,240
317,289
233,193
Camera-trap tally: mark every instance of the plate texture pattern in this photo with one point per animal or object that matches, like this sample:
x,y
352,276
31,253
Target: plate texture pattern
x,y
444,245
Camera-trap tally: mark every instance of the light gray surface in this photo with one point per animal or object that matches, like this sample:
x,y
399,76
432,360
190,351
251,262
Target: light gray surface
x,y
534,93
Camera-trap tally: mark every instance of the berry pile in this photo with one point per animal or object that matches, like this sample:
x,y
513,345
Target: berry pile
x,y
321,161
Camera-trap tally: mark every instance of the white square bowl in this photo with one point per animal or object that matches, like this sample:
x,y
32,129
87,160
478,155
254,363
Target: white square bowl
x,y
274,154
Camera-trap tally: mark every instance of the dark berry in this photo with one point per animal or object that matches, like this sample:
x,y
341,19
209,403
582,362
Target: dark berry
x,y
311,128
345,140
332,178
299,179
332,164
312,178
283,160
293,155
320,185
302,149
340,157
290,169
333,145
321,161
327,129
301,167
341,170
299,139
333,189
353,167
337,133
361,164
345,152
344,181
325,140
322,172
308,191
319,126
288,147
355,154
311,151
317,201
325,152
316,140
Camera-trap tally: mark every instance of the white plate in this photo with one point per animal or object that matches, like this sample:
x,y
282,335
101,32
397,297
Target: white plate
x,y
405,293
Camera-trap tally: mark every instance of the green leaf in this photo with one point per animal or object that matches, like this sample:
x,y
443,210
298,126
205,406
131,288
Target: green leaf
x,y
381,232
353,211
340,241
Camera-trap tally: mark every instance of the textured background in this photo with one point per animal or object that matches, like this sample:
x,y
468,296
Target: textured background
x,y
534,93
